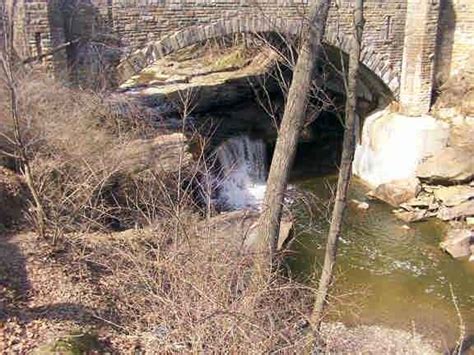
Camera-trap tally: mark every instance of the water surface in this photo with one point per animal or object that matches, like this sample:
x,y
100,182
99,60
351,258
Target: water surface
x,y
386,273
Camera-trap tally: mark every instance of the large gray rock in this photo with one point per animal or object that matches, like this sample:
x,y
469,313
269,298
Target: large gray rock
x,y
284,237
465,209
458,242
450,166
422,201
398,191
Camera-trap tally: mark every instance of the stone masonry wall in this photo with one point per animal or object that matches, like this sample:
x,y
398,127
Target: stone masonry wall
x,y
418,56
391,30
137,22
455,50
463,46
39,28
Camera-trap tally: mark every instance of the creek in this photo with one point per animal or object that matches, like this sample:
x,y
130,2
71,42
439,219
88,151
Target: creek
x,y
387,273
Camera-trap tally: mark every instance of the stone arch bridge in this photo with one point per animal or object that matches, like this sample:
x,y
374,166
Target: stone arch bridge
x,y
406,44
188,36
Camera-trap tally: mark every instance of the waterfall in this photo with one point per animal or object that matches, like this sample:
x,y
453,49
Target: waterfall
x,y
241,179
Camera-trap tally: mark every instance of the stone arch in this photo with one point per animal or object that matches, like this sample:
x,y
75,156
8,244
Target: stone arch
x,y
155,50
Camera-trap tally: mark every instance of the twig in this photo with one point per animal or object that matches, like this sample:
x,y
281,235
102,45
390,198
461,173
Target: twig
x,y
462,326
50,52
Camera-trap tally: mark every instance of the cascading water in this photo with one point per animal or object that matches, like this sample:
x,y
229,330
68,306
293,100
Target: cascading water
x,y
241,180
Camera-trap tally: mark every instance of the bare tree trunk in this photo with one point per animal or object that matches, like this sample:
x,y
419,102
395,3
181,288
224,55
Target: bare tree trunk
x,y
292,122
344,172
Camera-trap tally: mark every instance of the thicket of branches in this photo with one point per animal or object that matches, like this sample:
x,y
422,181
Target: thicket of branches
x,y
77,144
177,284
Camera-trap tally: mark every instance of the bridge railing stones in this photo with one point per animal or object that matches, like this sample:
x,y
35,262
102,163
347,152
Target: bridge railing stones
x,y
141,58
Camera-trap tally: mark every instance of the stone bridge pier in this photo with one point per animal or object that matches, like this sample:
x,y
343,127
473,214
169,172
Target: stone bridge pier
x,y
411,46
419,47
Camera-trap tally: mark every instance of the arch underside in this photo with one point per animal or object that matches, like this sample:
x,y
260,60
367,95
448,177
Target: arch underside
x,y
375,65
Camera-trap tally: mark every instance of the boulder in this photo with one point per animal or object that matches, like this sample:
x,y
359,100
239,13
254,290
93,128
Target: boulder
x,y
454,195
467,104
284,237
465,209
461,136
453,165
458,242
393,145
397,191
286,232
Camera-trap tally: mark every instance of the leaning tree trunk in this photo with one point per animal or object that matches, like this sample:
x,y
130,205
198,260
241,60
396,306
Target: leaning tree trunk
x,y
344,172
291,124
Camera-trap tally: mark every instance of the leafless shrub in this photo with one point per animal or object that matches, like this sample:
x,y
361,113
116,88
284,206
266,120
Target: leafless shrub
x,y
191,295
76,142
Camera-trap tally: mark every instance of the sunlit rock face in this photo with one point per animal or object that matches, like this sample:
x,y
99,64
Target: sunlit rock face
x,y
393,145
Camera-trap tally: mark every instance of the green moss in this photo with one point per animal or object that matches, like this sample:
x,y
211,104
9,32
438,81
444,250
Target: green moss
x,y
235,59
145,77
